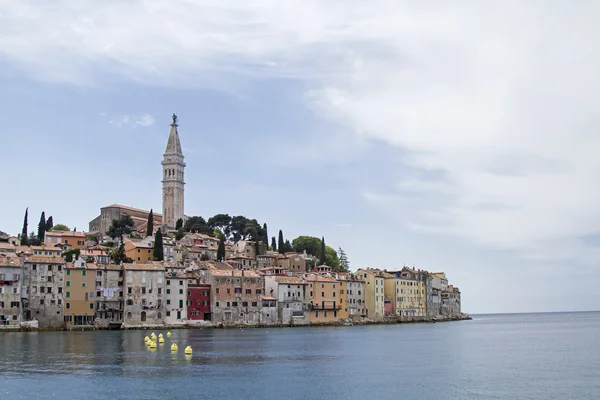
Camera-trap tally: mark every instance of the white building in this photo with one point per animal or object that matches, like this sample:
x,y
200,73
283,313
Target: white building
x,y
292,302
144,293
10,292
176,288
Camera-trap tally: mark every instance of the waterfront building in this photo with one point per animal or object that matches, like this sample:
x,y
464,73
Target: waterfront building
x,y
353,297
290,293
144,288
237,297
10,291
374,292
450,306
198,300
80,291
176,297
390,298
109,295
173,179
42,293
323,298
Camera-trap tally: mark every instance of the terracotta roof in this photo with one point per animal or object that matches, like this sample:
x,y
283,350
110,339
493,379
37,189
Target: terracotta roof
x,y
235,273
44,248
132,209
143,267
11,262
65,233
24,249
288,280
319,278
268,298
87,266
44,260
7,246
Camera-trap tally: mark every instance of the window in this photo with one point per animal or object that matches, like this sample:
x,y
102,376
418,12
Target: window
x,y
68,294
168,291
98,273
49,267
68,272
217,304
258,291
180,291
248,291
91,306
180,283
228,304
254,304
83,272
34,267
168,282
42,302
67,305
205,303
216,291
98,294
129,302
82,284
180,303
228,291
159,290
68,283
168,301
168,313
129,290
322,294
143,290
206,292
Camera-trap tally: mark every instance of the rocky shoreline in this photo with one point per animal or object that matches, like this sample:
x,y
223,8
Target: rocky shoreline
x,y
209,325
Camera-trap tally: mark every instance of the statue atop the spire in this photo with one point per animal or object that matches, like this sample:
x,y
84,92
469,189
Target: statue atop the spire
x,y
174,119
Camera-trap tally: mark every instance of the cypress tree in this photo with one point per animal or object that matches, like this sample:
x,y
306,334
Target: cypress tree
x,y
221,249
24,238
49,224
179,224
42,227
158,246
281,243
150,225
323,259
273,244
265,235
288,247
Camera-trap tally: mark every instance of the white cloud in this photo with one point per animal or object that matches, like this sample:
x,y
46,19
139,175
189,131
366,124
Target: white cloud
x,y
501,97
143,120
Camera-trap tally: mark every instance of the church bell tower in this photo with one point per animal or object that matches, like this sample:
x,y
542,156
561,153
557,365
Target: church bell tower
x,y
172,180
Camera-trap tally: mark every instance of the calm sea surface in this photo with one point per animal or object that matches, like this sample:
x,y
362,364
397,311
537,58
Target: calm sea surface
x,y
533,356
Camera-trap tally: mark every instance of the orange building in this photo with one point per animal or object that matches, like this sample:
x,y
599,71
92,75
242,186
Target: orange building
x,y
139,252
79,291
323,298
75,240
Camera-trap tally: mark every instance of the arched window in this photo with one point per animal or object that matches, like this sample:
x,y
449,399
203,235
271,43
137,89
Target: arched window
x,y
159,315
129,315
143,317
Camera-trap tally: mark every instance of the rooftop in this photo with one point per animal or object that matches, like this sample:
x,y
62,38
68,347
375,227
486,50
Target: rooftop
x,y
143,267
44,260
10,262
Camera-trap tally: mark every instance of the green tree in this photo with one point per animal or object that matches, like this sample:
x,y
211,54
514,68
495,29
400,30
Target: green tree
x,y
343,260
265,238
322,256
92,238
221,222
221,249
179,224
24,239
60,227
180,234
41,227
49,224
310,244
281,242
331,259
120,227
71,255
33,240
89,260
119,256
158,246
197,224
238,226
150,224
288,247
273,244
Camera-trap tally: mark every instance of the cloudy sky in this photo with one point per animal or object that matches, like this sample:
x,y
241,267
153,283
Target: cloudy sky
x,y
456,136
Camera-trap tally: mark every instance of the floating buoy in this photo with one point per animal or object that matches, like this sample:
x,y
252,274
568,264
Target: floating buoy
x,y
153,344
146,339
160,335
174,347
168,334
161,340
153,336
188,357
188,350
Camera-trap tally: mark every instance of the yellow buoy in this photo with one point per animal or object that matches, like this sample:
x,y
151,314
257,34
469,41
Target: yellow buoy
x,y
168,334
152,344
174,347
188,350
161,340
159,336
153,336
146,339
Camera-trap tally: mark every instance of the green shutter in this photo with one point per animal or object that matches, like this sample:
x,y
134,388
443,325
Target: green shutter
x,y
68,283
68,294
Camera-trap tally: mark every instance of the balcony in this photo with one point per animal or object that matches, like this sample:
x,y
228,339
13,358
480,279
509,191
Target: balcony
x,y
326,307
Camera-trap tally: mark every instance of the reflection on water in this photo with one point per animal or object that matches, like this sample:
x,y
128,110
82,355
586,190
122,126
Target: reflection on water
x,y
516,357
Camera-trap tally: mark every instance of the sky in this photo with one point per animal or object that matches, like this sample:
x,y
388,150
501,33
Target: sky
x,y
449,136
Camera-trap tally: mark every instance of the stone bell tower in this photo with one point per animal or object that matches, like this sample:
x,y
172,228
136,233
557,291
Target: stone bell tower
x,y
172,180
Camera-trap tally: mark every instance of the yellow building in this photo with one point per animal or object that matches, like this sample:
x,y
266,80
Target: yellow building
x,y
343,293
139,252
323,299
80,304
390,298
374,292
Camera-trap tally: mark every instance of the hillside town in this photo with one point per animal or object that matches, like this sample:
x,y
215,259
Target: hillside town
x,y
134,268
